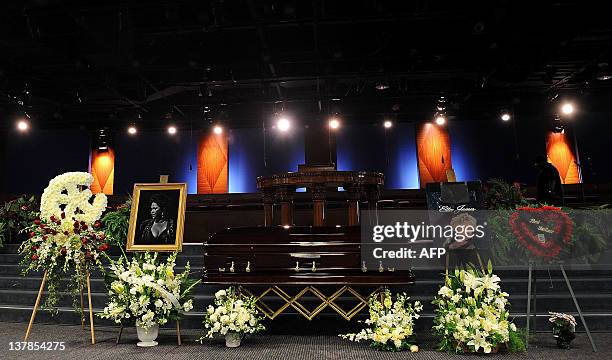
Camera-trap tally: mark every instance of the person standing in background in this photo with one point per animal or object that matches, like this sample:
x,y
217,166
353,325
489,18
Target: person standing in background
x,y
548,183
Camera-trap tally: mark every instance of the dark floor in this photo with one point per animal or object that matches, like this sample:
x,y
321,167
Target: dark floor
x,y
256,347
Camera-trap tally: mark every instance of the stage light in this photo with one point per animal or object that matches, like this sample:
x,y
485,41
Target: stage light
x,y
102,141
23,125
388,124
382,86
171,129
440,114
218,130
334,123
557,125
283,124
132,130
567,108
505,116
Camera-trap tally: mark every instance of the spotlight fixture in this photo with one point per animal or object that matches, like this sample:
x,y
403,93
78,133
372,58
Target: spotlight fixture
x,y
382,86
440,114
218,130
132,129
102,140
558,125
23,122
334,124
171,129
567,108
283,124
388,124
23,125
505,116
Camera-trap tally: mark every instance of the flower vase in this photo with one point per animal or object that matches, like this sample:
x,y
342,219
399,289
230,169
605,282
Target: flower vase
x,y
147,336
564,340
564,337
232,339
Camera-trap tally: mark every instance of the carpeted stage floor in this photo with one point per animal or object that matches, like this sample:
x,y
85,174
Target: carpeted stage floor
x,y
258,347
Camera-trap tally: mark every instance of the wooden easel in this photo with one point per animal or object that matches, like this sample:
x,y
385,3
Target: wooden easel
x,y
39,296
163,179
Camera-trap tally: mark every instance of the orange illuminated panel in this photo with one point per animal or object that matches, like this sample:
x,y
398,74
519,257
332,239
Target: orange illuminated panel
x,y
561,155
434,153
212,164
102,168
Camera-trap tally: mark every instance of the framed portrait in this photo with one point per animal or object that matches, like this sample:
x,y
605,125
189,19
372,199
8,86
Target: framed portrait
x,y
157,217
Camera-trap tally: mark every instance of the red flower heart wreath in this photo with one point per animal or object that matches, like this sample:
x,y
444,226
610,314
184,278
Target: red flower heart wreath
x,y
563,227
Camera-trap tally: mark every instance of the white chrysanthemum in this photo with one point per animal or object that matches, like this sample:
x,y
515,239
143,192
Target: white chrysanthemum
x,y
64,190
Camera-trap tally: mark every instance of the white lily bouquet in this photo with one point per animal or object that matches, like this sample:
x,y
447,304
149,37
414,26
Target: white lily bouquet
x,y
147,291
391,323
232,313
471,314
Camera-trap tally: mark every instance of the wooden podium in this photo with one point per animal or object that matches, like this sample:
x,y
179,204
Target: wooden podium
x,y
317,179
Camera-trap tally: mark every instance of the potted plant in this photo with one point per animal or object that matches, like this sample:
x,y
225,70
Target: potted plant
x,y
391,323
147,292
471,314
116,223
232,316
563,328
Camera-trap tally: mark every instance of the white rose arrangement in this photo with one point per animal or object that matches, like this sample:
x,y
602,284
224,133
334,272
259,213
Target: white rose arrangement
x,y
472,314
391,323
146,291
67,239
231,313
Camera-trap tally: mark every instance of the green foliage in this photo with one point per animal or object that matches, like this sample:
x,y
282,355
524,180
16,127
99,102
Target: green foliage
x,y
16,215
516,342
2,236
116,224
502,195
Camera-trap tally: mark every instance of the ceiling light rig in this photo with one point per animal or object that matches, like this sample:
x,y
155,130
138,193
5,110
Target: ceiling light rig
x,y
440,114
102,140
388,124
558,127
218,130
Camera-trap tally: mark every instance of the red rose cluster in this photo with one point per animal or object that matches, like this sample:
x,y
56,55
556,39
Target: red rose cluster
x,y
93,239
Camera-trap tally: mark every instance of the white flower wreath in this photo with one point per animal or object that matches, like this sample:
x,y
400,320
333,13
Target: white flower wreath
x,y
63,190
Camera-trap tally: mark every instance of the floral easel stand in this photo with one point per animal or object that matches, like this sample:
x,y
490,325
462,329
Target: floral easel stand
x,y
67,194
163,179
37,303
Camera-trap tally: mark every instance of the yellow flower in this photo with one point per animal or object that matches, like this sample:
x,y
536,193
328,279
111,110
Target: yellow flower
x,y
388,302
414,348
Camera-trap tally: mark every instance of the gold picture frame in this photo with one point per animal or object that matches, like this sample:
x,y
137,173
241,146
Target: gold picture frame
x,y
172,198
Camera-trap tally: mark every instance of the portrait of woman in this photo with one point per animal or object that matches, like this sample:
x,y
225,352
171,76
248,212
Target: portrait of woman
x,y
159,229
157,217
